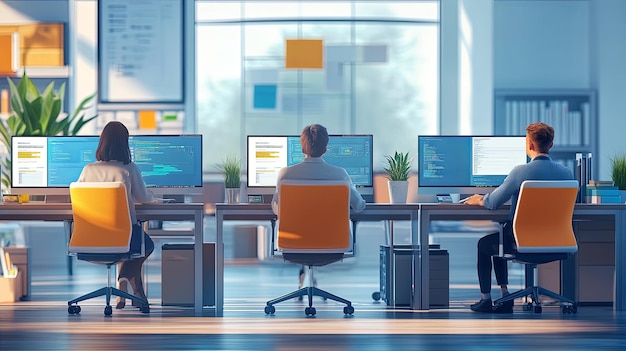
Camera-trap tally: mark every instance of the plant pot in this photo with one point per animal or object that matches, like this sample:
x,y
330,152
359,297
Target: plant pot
x,y
622,193
398,190
232,195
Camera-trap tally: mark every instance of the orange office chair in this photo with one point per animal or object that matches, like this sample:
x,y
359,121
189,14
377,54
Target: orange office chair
x,y
543,231
101,233
313,230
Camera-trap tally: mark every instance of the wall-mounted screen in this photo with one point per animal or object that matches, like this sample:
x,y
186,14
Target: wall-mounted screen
x,y
140,51
268,154
467,164
169,164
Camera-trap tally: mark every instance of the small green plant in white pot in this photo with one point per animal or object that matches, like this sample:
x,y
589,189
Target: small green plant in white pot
x,y
231,169
398,169
618,173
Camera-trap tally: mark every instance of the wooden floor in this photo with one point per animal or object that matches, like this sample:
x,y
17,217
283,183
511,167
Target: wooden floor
x,y
44,324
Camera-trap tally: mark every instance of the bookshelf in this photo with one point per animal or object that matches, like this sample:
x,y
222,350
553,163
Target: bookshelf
x,y
572,113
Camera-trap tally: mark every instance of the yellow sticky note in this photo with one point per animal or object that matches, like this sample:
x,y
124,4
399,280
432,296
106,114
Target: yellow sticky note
x,y
304,53
147,119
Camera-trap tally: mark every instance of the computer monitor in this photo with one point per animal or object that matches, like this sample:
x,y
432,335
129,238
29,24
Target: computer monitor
x,y
467,164
46,165
267,154
43,165
169,164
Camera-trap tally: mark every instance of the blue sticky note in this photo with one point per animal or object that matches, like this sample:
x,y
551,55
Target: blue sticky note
x,y
265,96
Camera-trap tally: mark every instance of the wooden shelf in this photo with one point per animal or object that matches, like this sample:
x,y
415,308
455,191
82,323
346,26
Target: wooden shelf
x,y
40,72
45,72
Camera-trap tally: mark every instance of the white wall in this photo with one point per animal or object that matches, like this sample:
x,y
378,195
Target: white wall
x,y
84,53
449,68
541,44
608,74
476,73
466,67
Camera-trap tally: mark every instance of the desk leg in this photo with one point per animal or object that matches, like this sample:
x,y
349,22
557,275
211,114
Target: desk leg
x,y
421,222
391,293
198,302
219,264
619,299
67,226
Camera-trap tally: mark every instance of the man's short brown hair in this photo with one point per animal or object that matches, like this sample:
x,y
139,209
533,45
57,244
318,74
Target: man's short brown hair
x,y
541,135
314,139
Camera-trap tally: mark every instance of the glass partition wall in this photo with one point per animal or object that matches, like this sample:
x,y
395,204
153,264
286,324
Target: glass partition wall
x,y
357,67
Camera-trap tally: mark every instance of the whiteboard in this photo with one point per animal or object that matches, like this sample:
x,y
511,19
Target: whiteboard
x,y
140,51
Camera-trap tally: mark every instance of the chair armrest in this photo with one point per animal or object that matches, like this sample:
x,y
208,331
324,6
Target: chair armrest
x,y
354,224
273,223
144,228
68,227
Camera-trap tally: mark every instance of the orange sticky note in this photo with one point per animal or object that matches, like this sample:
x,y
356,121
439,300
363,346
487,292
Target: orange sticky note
x,y
147,119
4,101
304,53
6,54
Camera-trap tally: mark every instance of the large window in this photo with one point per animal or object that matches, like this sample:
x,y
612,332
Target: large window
x,y
366,67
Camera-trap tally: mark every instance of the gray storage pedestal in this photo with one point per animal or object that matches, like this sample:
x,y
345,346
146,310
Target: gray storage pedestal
x,y
245,241
403,254
177,274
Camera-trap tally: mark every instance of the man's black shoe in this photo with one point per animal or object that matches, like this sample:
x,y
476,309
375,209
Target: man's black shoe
x,y
505,307
484,305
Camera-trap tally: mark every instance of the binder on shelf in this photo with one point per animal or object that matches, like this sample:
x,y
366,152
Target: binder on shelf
x,y
598,183
585,110
605,199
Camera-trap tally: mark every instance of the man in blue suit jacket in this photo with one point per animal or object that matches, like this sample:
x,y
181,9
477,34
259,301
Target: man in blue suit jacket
x,y
539,140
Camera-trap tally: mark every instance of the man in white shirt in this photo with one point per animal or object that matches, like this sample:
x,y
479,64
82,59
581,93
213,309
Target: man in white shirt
x,y
314,141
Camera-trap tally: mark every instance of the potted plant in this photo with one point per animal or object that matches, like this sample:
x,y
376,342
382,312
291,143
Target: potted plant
x,y
231,169
398,169
34,113
618,173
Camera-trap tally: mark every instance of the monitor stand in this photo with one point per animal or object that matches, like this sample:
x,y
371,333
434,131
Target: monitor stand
x,y
173,198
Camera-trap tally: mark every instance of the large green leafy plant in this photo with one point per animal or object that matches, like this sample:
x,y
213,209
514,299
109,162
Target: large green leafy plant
x,y
39,113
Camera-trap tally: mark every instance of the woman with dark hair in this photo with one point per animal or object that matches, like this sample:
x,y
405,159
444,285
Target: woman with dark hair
x,y
114,164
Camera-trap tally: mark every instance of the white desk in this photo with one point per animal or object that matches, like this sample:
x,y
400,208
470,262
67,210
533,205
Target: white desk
x,y
262,212
173,212
431,212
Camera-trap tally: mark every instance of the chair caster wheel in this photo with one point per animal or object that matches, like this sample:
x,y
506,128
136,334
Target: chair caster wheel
x,y
349,310
570,309
108,310
527,307
376,295
538,309
144,308
270,309
75,309
310,311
